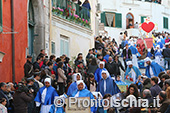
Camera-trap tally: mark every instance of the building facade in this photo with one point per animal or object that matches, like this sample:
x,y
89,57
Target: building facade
x,y
30,23
72,28
117,15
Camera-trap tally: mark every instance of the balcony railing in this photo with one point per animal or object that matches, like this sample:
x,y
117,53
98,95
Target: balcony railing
x,y
72,12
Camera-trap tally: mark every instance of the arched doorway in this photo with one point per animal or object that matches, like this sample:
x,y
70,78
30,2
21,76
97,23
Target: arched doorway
x,y
129,21
31,24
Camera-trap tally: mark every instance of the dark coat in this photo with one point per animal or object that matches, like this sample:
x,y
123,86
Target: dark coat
x,y
28,69
164,106
118,65
110,68
3,95
155,90
129,53
21,101
36,66
92,69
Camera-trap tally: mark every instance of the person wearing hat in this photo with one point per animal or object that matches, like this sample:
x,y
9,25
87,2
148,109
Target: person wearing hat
x,y
107,85
132,72
45,96
166,56
28,67
152,69
98,73
82,92
73,86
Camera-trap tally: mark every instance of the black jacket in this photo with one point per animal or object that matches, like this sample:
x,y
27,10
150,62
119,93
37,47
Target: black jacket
x,y
118,65
110,68
28,69
129,53
166,53
36,66
3,95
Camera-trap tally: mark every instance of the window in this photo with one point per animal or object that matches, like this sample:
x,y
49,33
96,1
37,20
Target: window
x,y
64,46
165,22
0,15
111,19
143,19
53,47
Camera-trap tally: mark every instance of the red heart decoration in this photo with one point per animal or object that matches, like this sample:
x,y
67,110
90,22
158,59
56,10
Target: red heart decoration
x,y
148,27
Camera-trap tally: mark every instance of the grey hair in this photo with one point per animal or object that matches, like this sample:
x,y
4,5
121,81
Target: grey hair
x,y
147,92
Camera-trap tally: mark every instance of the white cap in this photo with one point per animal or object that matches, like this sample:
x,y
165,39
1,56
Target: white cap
x,y
48,80
80,81
147,59
75,76
102,62
129,63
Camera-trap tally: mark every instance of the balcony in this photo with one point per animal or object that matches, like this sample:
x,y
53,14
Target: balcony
x,y
72,12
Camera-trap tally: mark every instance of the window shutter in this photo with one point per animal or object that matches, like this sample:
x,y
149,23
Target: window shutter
x,y
165,22
53,47
103,18
1,16
118,20
142,18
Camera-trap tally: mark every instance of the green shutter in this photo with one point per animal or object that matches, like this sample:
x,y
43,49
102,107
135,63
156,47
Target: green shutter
x,y
165,22
1,16
118,20
53,47
103,18
142,19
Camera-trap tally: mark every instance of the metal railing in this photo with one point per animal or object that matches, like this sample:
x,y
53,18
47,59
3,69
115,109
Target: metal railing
x,y
71,11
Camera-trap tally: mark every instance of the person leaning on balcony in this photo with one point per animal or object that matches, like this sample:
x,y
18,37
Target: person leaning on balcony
x,y
86,4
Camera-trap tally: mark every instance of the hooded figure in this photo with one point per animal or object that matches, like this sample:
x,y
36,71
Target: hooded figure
x,y
158,55
132,72
82,92
107,85
153,69
98,73
45,96
73,86
134,55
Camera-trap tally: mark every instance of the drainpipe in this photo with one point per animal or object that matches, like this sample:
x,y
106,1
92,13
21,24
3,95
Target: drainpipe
x,y
13,41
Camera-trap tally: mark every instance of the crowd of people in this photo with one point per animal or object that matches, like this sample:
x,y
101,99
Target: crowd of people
x,y
98,76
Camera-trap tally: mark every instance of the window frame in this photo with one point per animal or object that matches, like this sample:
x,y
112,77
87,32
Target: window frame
x,y
65,50
165,20
118,18
53,47
142,19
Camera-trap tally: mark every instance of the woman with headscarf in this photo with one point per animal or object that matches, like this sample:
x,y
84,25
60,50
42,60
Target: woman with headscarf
x,y
107,85
73,86
82,92
45,96
98,73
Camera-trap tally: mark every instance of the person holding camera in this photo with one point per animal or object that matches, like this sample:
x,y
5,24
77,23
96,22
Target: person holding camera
x,y
22,97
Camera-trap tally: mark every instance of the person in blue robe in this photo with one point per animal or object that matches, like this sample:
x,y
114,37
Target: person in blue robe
x,y
98,73
107,85
106,57
73,85
45,96
153,69
149,54
134,52
82,92
132,72
54,109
